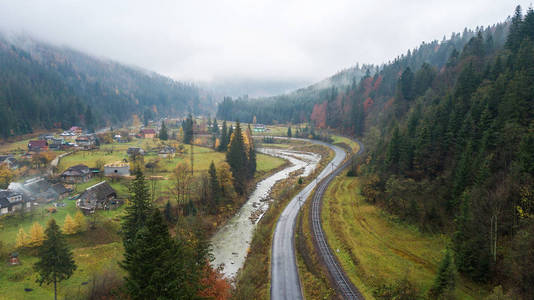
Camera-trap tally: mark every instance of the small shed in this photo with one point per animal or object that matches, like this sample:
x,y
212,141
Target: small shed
x,y
14,259
117,169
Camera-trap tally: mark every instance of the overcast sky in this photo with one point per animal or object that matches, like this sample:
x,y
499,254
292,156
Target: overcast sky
x,y
200,40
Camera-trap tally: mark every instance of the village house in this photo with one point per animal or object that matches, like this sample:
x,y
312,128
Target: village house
x,y
148,133
37,146
36,189
259,128
10,201
167,151
85,141
98,196
9,161
76,174
55,144
61,190
76,130
117,169
135,151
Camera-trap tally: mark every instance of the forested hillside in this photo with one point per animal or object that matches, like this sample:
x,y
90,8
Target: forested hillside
x,y
292,107
449,129
452,150
43,87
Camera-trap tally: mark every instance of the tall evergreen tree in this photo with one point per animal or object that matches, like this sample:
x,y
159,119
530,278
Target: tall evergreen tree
x,y
187,126
215,127
445,279
163,134
514,35
137,210
55,262
224,138
215,189
157,267
237,159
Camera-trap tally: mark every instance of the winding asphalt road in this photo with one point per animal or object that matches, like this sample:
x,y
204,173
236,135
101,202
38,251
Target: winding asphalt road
x,y
285,282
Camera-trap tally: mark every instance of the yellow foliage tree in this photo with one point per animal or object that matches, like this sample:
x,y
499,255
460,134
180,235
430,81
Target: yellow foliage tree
x,y
37,235
6,175
22,238
224,175
79,219
135,121
69,226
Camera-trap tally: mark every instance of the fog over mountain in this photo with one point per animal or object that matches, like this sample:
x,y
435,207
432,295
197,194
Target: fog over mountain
x,y
258,48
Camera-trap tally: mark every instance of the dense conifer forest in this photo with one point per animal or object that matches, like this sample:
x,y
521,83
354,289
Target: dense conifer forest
x,y
449,129
45,87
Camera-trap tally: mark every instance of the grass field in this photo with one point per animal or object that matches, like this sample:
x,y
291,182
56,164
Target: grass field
x,y
202,158
344,140
100,249
94,250
375,249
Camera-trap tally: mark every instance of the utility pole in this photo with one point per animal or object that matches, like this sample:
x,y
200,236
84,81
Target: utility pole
x,y
191,144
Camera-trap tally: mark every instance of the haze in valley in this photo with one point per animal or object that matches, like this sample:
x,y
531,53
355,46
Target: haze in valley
x,y
247,47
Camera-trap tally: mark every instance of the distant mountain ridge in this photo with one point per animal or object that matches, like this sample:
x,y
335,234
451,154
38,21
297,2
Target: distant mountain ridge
x,y
44,86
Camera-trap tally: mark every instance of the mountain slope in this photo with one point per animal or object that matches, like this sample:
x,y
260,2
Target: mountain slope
x,y
449,129
42,86
291,107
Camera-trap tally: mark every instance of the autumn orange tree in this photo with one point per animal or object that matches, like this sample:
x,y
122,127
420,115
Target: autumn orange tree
x,y
215,286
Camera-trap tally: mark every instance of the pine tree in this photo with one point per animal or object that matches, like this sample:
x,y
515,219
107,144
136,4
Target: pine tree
x,y
289,134
187,126
407,84
69,226
215,127
215,189
22,238
251,162
79,219
55,258
154,264
223,141
393,154
163,134
514,36
37,235
138,209
445,279
168,212
237,159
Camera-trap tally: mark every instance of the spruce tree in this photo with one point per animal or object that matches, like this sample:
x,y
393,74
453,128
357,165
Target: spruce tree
x,y
224,138
514,36
445,279
55,258
237,159
168,212
215,189
289,134
157,267
138,209
215,127
187,126
163,134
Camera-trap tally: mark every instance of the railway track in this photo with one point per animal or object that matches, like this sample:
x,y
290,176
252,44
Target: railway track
x,y
341,282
